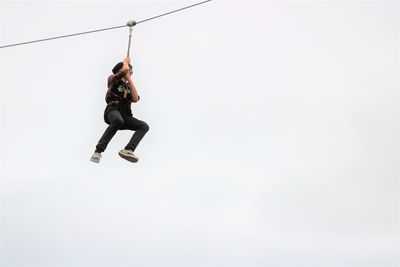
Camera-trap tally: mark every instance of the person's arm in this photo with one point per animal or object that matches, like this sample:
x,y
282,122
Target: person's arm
x,y
134,94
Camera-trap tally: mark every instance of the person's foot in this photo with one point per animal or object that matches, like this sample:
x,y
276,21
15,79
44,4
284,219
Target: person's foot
x,y
128,155
96,157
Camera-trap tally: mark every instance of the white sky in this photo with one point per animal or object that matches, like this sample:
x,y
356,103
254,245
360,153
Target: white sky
x,y
274,135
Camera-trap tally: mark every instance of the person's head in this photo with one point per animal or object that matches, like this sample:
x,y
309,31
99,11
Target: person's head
x,y
119,66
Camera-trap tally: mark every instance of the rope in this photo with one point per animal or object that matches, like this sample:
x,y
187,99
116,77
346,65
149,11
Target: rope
x,y
130,38
104,29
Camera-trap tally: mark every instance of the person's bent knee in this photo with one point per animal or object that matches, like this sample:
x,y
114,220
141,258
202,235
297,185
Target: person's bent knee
x,y
145,127
117,122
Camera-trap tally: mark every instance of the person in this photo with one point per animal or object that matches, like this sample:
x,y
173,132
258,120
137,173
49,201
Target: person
x,y
118,114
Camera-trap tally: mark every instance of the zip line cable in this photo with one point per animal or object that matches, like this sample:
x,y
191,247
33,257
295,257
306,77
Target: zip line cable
x,y
173,11
130,24
63,36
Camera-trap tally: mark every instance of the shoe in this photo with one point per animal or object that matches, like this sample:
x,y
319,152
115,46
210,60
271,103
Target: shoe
x,y
128,155
96,157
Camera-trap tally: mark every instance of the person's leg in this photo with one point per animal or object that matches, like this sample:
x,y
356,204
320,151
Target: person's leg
x,y
116,122
140,128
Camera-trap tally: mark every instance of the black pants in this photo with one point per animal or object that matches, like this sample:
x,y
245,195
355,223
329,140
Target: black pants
x,y
118,121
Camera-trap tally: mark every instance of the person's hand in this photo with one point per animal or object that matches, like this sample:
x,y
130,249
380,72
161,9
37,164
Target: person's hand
x,y
127,60
125,67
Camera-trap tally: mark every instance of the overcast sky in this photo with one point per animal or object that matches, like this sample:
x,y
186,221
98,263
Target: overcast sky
x,y
274,135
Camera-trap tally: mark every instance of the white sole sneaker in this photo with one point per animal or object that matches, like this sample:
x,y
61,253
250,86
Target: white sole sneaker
x,y
95,157
128,155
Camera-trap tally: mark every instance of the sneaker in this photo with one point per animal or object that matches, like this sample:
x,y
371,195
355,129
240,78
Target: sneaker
x,y
96,157
128,155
